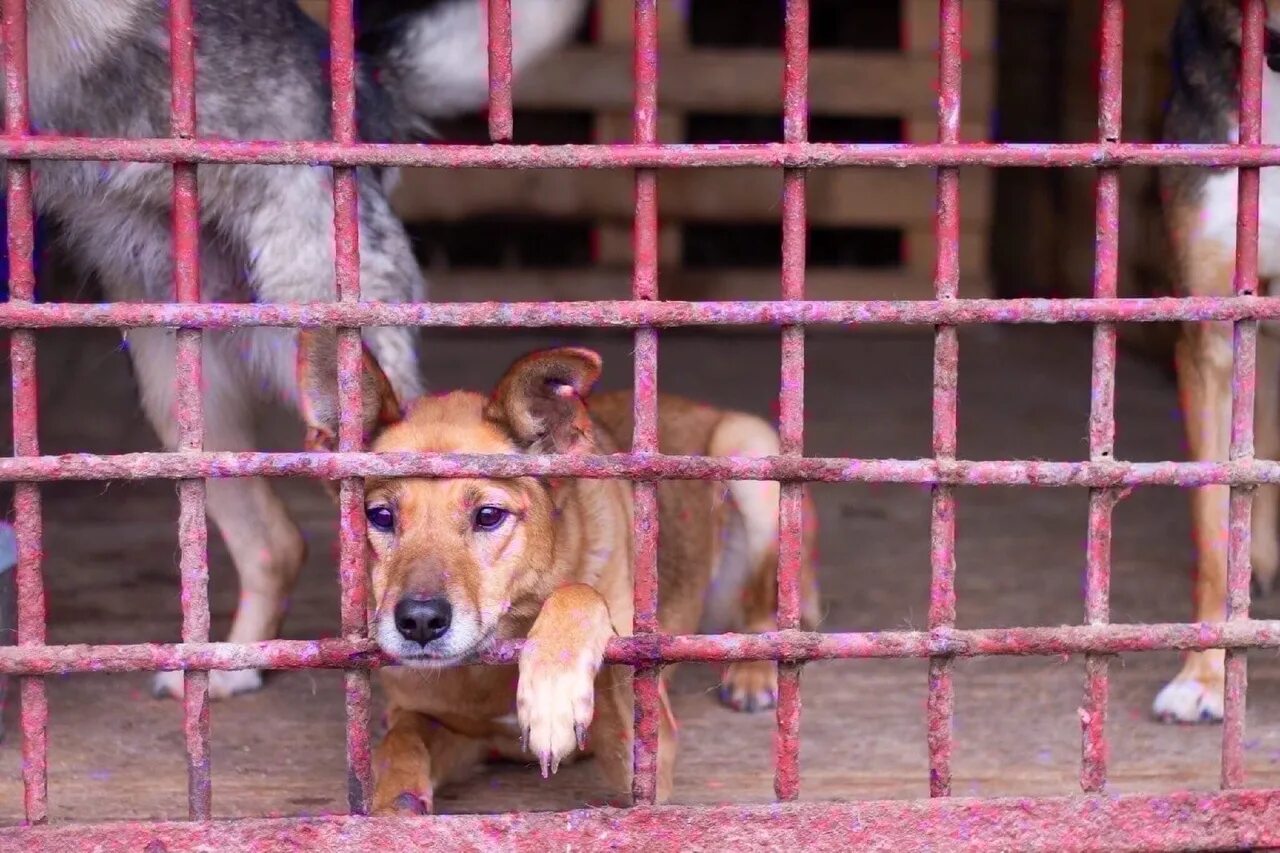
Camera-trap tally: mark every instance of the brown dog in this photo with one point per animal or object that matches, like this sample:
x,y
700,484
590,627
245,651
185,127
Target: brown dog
x,y
1200,210
458,563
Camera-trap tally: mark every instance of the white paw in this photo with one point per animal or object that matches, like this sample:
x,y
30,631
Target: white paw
x,y
1187,700
223,684
555,700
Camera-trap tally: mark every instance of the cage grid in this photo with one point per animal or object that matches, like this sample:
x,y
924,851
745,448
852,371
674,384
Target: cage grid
x,y
1235,816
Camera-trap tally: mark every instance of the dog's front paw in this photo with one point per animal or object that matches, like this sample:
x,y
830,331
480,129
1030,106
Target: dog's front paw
x,y
555,701
750,686
223,684
405,804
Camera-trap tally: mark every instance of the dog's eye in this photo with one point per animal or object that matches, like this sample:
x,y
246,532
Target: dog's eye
x,y
380,518
489,518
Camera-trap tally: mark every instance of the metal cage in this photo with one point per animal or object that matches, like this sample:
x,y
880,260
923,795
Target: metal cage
x,y
1232,817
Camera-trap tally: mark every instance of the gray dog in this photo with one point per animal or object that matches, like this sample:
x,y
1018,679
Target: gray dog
x,y
101,68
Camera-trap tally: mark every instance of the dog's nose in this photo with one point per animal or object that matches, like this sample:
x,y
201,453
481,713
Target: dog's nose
x,y
423,620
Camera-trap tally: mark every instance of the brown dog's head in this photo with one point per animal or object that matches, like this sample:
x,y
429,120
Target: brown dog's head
x,y
455,562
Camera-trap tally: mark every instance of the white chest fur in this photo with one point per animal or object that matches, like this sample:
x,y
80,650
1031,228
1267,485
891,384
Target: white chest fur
x,y
1217,216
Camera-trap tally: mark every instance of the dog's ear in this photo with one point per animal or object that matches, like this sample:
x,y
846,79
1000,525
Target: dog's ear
x,y
539,401
318,391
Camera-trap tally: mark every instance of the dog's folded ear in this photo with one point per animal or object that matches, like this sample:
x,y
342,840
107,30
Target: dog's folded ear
x,y
318,391
539,401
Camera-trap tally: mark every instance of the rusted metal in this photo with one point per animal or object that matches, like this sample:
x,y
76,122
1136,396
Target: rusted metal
x,y
632,314
1102,416
193,560
358,692
501,122
644,288
795,123
336,466
940,704
795,155
648,650
22,366
1186,821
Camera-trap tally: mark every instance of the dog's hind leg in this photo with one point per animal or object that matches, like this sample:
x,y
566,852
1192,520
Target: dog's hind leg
x,y
747,574
265,544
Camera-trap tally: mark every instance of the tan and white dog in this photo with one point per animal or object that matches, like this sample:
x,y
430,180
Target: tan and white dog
x,y
458,563
1200,211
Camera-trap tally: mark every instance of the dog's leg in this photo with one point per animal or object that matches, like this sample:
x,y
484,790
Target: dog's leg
x,y
290,228
265,544
555,694
753,685
416,757
1204,376
1265,540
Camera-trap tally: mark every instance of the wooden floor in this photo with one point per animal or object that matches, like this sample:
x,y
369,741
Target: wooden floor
x,y
111,573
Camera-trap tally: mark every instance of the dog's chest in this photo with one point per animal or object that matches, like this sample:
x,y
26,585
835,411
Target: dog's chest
x,y
1216,219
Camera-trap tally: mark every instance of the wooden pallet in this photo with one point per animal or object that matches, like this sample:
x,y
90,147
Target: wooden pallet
x,y
597,79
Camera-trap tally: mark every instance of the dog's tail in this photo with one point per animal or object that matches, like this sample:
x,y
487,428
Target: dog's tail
x,y
430,56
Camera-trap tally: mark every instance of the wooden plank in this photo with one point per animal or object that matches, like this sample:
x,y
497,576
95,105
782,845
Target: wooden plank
x,y
727,81
601,283
837,197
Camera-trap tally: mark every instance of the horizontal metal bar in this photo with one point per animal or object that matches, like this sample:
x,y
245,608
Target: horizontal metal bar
x,y
627,314
806,155
1183,821
645,650
336,466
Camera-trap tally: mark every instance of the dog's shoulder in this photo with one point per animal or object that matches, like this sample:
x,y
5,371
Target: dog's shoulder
x,y
1205,53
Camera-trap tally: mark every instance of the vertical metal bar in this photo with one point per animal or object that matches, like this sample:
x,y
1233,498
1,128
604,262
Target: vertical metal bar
x,y
346,228
22,353
795,122
1102,425
28,525
645,440
942,527
192,524
1243,381
501,122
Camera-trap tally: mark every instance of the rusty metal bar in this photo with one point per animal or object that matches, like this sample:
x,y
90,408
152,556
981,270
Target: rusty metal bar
x,y
940,706
501,122
351,570
632,314
795,121
1186,821
1102,415
647,680
336,466
1243,386
192,521
808,155
639,650
27,525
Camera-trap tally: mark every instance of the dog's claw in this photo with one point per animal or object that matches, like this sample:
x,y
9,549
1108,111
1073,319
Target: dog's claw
x,y
580,731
